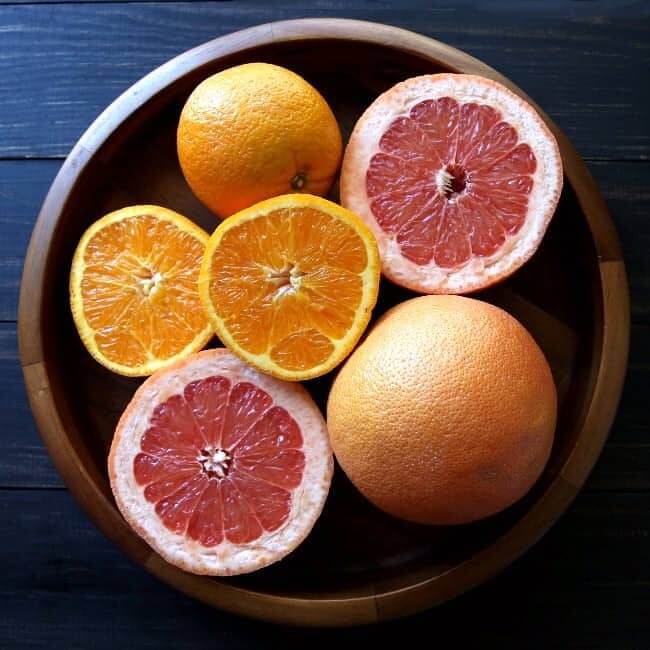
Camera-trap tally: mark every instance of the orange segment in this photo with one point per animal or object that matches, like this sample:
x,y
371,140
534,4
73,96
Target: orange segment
x,y
134,292
289,284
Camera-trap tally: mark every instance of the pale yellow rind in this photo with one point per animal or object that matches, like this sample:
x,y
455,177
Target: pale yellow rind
x,y
86,333
370,282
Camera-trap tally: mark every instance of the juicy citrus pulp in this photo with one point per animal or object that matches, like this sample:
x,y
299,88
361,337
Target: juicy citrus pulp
x,y
290,283
133,289
451,180
230,432
220,468
457,176
255,131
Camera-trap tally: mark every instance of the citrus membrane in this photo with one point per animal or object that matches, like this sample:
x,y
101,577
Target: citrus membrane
x,y
133,289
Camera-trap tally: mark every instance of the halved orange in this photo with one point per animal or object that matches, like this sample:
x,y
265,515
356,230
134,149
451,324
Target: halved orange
x,y
133,289
289,284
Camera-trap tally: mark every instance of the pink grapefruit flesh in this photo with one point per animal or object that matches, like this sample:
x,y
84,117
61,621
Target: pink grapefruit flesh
x,y
457,176
220,468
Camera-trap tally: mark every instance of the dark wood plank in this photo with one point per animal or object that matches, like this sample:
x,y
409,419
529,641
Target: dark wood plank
x,y
58,2
65,586
22,189
627,193
62,64
23,459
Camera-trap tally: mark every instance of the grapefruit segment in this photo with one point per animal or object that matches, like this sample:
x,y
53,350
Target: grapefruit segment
x,y
206,524
240,524
221,469
246,405
457,177
207,401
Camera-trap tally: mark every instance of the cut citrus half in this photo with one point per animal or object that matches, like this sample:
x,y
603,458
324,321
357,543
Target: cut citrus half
x,y
220,468
134,292
289,284
457,177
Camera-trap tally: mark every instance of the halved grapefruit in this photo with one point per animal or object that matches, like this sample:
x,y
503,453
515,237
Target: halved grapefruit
x,y
220,468
457,177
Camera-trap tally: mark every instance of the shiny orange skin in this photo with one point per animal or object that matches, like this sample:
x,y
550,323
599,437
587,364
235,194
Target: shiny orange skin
x,y
446,413
255,131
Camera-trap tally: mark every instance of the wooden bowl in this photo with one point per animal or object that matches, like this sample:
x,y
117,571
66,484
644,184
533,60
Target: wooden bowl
x,y
358,565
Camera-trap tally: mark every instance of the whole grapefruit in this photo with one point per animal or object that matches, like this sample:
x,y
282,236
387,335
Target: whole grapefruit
x,y
446,413
255,131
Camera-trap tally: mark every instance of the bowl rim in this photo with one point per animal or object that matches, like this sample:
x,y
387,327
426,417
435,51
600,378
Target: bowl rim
x,y
605,382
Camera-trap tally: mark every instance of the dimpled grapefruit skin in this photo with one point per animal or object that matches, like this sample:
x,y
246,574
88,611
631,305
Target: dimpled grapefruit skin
x,y
221,469
446,413
457,176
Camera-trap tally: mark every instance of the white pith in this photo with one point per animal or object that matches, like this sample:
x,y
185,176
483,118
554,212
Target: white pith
x,y
215,461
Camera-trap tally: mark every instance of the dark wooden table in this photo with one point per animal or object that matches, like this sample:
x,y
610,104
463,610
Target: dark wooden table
x,y
586,584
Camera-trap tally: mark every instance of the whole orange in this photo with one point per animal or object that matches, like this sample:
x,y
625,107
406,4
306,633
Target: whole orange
x,y
446,413
255,131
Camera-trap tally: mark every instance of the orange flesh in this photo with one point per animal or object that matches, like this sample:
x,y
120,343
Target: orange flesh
x,y
139,289
220,461
451,181
288,283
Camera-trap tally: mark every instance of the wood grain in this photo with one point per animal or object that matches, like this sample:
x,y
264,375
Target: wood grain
x,y
23,459
77,585
583,62
22,189
409,567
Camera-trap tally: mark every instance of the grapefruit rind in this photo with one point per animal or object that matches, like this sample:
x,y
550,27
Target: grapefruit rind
x,y
227,558
476,395
86,332
370,283
478,272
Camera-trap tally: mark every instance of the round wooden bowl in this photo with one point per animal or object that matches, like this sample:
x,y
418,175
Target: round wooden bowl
x,y
358,565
